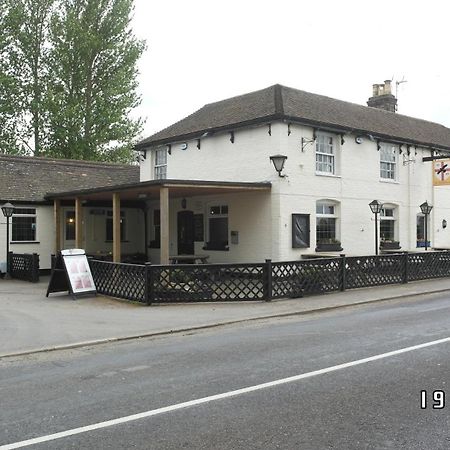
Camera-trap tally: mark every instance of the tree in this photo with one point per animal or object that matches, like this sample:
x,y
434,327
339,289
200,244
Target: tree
x,y
93,58
68,78
23,37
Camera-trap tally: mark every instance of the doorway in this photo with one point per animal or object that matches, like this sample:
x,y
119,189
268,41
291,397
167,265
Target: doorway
x,y
185,232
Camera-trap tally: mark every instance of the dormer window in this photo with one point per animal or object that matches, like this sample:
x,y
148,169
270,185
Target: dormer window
x,y
161,164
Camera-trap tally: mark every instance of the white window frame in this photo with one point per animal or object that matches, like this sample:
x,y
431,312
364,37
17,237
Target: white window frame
x,y
328,215
326,153
388,162
392,218
25,215
160,171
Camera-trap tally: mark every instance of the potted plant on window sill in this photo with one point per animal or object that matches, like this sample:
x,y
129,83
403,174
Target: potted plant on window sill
x,y
329,245
389,244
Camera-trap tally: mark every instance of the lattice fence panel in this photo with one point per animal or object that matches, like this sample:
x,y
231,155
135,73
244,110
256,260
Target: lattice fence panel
x,y
212,282
24,266
298,278
119,280
423,266
365,271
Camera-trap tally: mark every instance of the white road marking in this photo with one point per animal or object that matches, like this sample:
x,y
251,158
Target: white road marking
x,y
211,398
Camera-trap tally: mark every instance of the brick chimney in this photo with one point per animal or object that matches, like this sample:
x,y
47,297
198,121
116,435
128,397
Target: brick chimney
x,y
382,97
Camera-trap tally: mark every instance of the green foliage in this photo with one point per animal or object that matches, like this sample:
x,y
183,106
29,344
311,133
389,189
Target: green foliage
x,y
68,78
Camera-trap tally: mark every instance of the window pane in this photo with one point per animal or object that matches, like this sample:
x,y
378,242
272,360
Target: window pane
x,y
24,211
70,225
214,210
387,230
218,230
420,228
161,157
109,229
326,229
23,228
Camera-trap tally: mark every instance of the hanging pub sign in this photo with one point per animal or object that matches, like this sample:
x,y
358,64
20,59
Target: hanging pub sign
x,y
71,272
441,172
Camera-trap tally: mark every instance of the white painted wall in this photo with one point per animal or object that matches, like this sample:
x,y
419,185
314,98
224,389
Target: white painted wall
x,y
255,229
355,185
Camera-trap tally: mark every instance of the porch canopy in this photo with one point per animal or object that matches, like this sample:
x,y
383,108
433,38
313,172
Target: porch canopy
x,y
136,195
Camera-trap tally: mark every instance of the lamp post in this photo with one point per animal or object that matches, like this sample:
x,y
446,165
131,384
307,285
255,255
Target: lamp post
x,y
375,207
426,208
278,162
7,210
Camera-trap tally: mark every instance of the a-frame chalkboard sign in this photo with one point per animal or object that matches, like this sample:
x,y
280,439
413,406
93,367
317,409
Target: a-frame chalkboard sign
x,y
71,272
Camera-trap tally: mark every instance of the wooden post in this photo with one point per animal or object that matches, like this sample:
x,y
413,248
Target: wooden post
x,y
78,223
57,219
164,210
116,228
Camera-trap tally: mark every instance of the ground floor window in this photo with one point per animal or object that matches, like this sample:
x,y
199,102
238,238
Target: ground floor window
x,y
326,224
109,226
217,227
24,225
387,225
420,231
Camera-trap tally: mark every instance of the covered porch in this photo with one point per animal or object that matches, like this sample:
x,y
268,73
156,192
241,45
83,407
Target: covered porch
x,y
163,221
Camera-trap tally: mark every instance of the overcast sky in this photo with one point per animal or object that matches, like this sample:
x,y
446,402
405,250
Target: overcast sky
x,y
202,51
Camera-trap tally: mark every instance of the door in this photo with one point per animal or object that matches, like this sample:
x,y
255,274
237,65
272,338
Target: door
x,y
185,231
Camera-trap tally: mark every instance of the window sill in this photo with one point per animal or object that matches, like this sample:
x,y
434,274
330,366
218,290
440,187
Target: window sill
x,y
325,174
110,242
24,242
387,180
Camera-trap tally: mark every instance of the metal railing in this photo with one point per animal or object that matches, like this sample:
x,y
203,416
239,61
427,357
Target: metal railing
x,y
262,281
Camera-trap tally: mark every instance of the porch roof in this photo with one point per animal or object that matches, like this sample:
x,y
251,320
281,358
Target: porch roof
x,y
149,190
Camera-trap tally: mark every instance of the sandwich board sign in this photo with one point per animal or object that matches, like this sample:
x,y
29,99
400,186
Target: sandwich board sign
x,y
71,272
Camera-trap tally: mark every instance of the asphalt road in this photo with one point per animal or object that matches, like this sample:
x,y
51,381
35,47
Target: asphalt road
x,y
371,404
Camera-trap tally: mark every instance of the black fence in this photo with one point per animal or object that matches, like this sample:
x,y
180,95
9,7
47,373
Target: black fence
x,y
265,281
24,266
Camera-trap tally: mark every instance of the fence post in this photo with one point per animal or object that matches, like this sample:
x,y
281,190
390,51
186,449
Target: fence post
x,y
343,272
405,268
267,280
149,296
9,264
34,267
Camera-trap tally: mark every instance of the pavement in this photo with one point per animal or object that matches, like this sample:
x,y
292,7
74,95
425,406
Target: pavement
x,y
30,322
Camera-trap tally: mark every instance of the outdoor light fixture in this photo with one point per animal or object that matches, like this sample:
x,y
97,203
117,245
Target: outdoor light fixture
x,y
444,223
278,162
426,208
7,210
376,207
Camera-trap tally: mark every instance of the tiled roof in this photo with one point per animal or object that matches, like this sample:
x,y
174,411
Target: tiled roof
x,y
283,103
29,179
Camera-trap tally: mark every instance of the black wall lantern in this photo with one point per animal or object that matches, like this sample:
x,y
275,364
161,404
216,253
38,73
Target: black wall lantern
x,y
7,210
278,162
444,223
426,208
376,207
